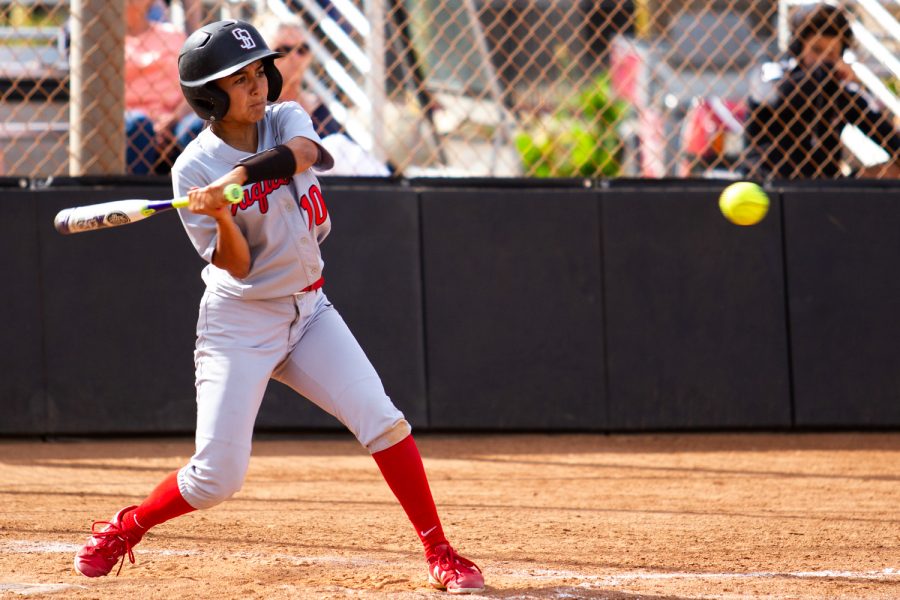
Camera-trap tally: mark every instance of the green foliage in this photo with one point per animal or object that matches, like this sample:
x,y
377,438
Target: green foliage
x,y
31,16
580,139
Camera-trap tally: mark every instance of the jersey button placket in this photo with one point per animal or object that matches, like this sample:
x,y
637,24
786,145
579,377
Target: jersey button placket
x,y
309,257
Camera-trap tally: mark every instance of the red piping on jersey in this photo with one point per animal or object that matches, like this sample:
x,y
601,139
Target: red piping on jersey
x,y
314,285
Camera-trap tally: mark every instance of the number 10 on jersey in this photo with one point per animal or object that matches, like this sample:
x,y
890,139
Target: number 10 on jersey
x,y
314,205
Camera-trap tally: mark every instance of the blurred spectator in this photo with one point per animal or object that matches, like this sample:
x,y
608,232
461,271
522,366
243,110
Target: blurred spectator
x,y
158,121
158,11
288,37
193,12
800,106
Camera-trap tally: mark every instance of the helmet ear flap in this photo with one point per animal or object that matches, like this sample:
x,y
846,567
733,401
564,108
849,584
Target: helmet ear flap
x,y
275,79
208,101
219,101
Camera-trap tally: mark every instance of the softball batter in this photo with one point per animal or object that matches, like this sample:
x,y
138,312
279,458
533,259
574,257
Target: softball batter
x,y
264,314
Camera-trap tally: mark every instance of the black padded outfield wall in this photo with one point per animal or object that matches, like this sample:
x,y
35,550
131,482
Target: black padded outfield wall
x,y
513,306
843,251
23,405
696,329
120,312
497,306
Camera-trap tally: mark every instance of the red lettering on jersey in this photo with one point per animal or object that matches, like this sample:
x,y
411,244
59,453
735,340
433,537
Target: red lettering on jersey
x,y
259,194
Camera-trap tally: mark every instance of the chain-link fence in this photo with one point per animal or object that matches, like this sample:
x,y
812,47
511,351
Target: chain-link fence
x,y
534,88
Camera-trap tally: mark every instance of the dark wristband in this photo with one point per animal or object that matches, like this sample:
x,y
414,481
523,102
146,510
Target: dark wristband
x,y
274,163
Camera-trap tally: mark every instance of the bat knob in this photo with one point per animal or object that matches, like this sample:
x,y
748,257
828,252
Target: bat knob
x,y
234,193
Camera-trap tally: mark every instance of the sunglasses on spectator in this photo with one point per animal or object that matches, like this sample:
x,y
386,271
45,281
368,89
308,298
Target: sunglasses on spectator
x,y
301,49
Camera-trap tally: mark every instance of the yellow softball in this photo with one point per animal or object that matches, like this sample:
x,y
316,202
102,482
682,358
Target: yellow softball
x,y
744,203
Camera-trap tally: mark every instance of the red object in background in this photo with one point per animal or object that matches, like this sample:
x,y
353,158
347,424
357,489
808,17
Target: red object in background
x,y
625,73
628,76
707,124
651,126
712,130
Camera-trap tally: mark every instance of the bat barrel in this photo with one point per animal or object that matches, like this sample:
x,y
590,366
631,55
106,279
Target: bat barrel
x,y
99,216
71,220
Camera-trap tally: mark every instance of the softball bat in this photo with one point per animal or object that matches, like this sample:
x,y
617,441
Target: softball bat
x,y
122,212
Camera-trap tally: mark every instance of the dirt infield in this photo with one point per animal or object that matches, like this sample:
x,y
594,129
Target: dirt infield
x,y
546,516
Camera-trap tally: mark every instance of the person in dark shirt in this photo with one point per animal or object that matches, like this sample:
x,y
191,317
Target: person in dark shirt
x,y
800,106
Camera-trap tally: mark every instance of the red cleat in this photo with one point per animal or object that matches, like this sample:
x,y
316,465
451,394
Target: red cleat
x,y
105,547
449,571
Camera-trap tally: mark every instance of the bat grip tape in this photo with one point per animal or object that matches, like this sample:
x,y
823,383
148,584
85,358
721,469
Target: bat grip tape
x,y
274,163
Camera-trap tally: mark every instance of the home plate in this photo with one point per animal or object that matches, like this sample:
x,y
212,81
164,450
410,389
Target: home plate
x,y
28,589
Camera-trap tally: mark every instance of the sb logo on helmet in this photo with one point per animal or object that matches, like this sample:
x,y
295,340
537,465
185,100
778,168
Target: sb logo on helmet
x,y
244,37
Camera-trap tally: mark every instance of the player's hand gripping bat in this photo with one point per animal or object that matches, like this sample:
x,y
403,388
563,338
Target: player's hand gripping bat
x,y
122,212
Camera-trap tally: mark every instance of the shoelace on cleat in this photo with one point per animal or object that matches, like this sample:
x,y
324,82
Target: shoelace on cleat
x,y
115,532
449,560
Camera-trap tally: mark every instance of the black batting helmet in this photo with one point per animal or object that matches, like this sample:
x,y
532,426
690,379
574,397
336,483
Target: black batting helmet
x,y
218,50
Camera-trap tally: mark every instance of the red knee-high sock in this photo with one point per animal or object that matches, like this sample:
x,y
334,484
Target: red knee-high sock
x,y
401,466
164,502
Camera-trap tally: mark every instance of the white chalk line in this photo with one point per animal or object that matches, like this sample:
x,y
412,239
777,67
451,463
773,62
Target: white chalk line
x,y
36,589
886,574
32,547
584,580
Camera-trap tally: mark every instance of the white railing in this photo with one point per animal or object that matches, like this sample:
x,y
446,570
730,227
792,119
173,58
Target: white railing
x,y
350,54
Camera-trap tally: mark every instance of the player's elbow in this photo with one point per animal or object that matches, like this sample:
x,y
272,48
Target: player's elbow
x,y
237,267
240,273
306,152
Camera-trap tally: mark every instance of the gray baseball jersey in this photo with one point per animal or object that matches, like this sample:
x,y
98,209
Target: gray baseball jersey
x,y
283,220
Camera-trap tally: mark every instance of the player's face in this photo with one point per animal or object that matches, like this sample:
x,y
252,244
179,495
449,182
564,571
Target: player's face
x,y
821,49
247,90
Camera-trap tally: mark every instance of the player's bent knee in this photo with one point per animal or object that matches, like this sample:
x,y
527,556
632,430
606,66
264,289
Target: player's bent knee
x,y
370,415
396,434
204,487
208,492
